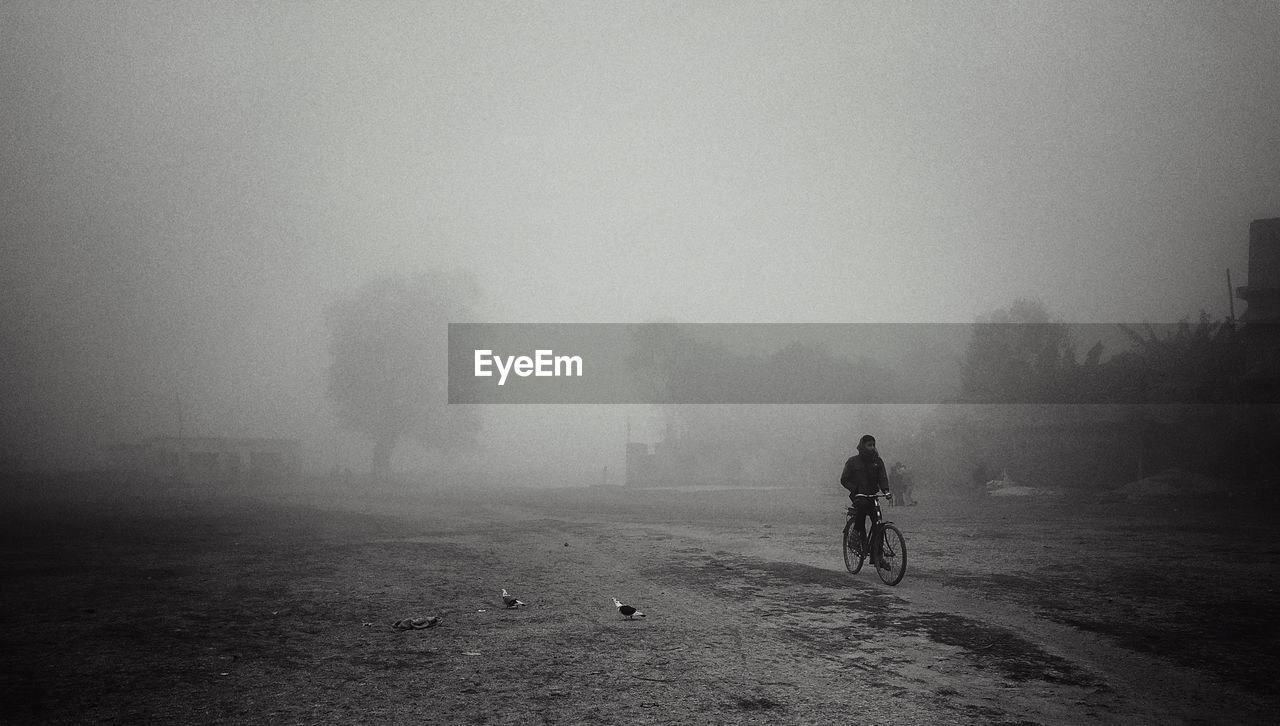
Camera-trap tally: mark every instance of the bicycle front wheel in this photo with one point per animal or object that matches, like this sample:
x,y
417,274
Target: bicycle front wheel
x,y
852,548
893,555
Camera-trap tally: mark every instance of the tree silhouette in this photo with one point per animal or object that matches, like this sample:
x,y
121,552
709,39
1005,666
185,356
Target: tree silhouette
x,y
389,362
1201,363
1019,354
676,366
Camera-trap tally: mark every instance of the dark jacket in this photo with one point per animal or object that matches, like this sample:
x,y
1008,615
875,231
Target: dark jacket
x,y
864,476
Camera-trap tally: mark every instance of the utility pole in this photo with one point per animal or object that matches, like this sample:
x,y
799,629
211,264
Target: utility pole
x,y
1231,299
181,445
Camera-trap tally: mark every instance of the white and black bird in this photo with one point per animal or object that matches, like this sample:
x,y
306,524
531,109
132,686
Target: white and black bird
x,y
626,610
510,601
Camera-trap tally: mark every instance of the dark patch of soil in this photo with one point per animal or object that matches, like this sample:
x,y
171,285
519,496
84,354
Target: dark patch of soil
x,y
1016,657
766,586
1193,624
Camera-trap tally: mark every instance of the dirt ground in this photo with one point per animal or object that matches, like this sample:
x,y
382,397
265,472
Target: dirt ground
x,y
179,606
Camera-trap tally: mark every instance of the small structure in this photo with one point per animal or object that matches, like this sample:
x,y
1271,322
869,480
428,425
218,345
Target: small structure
x,y
1261,320
1260,334
209,459
639,471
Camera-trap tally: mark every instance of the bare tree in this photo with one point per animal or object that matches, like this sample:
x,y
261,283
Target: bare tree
x,y
388,376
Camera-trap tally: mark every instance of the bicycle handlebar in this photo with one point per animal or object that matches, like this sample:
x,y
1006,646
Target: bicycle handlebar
x,y
880,495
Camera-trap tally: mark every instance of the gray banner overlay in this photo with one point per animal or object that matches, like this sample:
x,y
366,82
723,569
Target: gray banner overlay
x,y
691,363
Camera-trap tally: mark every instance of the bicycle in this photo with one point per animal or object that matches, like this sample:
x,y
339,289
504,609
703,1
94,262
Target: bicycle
x,y
891,565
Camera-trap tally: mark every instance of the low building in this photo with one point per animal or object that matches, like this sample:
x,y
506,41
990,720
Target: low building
x,y
209,459
1260,332
639,470
1261,320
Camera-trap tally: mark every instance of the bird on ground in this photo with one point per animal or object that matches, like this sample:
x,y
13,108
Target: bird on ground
x,y
626,610
417,623
510,601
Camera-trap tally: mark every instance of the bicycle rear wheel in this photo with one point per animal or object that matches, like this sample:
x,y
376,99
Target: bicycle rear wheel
x,y
893,555
851,546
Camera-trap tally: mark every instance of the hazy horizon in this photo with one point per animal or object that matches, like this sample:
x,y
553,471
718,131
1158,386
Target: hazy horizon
x,y
187,186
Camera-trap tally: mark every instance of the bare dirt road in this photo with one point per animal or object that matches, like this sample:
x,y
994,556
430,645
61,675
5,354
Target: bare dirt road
x,y
184,607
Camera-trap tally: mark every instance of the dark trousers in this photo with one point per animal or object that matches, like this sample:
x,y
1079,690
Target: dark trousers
x,y
862,509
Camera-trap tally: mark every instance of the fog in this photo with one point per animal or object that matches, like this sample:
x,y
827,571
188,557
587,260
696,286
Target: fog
x,y
187,186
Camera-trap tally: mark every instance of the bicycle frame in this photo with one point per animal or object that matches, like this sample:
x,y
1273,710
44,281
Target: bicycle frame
x,y
877,540
878,528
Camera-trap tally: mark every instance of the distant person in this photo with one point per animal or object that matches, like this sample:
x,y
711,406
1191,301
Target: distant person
x,y
864,473
906,486
895,483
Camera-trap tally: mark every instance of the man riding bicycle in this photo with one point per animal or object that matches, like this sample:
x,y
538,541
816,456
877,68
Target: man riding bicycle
x,y
864,473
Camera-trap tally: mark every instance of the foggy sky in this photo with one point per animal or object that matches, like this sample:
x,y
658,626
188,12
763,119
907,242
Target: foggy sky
x,y
184,186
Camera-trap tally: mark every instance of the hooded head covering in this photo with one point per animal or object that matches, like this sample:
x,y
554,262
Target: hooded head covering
x,y
862,444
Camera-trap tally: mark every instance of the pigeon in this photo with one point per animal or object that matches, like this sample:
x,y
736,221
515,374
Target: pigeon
x,y
626,610
416,623
510,601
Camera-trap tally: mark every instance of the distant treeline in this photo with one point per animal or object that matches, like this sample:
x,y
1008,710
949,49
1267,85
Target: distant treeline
x,y
1016,355
1020,355
1176,396
1138,399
